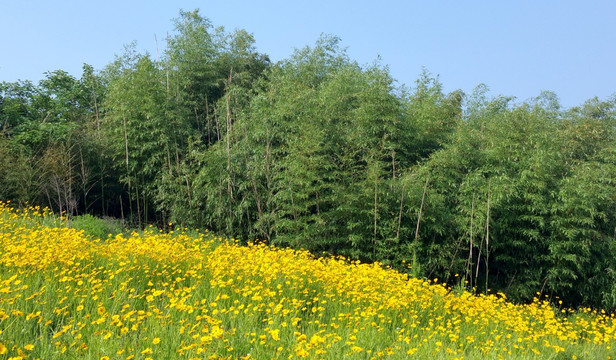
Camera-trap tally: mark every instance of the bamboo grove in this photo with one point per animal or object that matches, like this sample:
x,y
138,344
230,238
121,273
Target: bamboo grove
x,y
321,153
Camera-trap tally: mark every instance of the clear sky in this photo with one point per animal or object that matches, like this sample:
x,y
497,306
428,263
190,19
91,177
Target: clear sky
x,y
517,48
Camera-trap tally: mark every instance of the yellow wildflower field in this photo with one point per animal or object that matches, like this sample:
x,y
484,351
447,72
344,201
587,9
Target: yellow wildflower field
x,y
175,295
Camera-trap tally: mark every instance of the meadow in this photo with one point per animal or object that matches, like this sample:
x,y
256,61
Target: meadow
x,y
192,295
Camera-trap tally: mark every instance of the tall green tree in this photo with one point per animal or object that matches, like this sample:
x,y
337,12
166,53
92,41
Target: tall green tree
x,y
142,134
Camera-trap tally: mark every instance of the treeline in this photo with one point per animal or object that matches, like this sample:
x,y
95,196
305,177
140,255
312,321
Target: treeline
x,y
321,153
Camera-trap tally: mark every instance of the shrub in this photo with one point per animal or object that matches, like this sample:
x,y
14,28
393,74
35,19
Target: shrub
x,y
98,228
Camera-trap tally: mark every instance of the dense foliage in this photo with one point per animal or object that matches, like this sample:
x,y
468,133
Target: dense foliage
x,y
321,153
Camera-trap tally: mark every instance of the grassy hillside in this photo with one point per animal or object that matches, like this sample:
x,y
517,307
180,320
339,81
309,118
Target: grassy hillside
x,y
154,295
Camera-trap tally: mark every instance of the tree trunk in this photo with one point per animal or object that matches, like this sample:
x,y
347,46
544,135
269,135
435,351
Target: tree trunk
x,y
376,178
487,240
400,212
416,242
469,263
229,187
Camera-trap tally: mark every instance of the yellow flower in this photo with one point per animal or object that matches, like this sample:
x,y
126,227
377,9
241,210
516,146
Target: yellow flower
x,y
301,352
105,358
411,351
217,331
155,341
147,351
29,347
3,349
275,334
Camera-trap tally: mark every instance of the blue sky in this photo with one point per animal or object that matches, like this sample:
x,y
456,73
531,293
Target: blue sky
x,y
517,48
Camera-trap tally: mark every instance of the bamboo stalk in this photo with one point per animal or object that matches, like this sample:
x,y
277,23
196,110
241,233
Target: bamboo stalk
x,y
229,187
423,196
416,241
469,264
487,239
400,212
